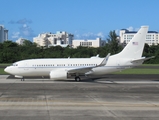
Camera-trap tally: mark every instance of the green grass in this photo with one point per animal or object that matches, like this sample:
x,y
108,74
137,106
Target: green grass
x,y
138,71
150,65
5,64
2,72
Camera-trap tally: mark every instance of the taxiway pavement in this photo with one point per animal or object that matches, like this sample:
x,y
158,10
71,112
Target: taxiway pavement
x,y
113,98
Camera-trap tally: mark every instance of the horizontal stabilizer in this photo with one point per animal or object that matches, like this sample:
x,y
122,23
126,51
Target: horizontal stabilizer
x,y
142,59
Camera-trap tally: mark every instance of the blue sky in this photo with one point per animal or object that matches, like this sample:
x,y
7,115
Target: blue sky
x,y
86,19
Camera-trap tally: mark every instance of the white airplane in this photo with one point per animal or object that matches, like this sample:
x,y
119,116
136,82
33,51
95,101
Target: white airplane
x,y
60,69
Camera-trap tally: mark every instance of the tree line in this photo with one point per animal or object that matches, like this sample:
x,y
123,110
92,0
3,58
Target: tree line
x,y
11,52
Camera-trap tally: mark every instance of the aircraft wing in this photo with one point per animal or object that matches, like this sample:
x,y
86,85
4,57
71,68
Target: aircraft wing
x,y
89,68
142,59
80,70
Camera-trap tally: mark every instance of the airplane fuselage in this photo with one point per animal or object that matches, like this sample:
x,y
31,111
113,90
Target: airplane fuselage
x,y
42,67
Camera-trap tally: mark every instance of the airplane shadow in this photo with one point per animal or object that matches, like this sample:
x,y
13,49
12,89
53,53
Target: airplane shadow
x,y
99,80
71,80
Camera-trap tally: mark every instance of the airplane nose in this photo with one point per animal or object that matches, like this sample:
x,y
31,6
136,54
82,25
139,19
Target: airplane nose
x,y
6,69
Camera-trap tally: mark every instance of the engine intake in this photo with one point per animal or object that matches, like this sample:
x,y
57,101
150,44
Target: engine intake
x,y
58,75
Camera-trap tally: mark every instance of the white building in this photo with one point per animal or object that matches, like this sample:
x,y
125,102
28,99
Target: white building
x,y
88,43
48,39
152,37
3,34
20,41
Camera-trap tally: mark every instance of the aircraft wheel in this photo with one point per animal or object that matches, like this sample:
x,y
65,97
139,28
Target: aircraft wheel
x,y
22,79
77,79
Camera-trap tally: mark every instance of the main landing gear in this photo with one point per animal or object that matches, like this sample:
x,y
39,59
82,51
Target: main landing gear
x,y
22,79
77,78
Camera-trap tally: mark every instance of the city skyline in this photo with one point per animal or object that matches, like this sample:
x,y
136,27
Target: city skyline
x,y
85,19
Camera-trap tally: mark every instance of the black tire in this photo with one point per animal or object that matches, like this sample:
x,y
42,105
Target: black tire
x,y
77,79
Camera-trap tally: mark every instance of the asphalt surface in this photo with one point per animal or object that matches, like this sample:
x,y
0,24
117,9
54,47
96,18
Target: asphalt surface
x,y
3,66
114,97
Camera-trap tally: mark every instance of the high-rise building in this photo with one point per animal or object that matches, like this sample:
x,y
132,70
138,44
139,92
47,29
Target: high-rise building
x,y
3,34
152,37
49,39
20,41
88,43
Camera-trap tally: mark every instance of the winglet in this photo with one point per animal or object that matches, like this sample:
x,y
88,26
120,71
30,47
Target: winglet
x,y
104,62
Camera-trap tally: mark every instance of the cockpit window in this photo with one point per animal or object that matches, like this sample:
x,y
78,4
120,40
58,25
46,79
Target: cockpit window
x,y
14,64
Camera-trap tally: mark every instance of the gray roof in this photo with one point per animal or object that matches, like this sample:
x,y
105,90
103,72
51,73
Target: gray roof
x,y
136,32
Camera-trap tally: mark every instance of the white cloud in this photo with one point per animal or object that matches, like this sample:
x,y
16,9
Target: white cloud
x,y
136,29
89,35
77,36
100,34
132,28
20,21
26,30
24,25
15,35
24,21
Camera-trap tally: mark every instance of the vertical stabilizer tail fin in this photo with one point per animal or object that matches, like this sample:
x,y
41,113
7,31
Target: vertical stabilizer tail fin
x,y
134,48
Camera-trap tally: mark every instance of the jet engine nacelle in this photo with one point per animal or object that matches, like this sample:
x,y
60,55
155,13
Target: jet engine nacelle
x,y
58,74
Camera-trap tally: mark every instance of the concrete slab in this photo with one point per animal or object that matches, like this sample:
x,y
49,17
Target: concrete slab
x,y
106,98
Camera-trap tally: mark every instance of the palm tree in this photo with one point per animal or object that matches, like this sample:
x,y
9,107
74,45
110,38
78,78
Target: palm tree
x,y
114,46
